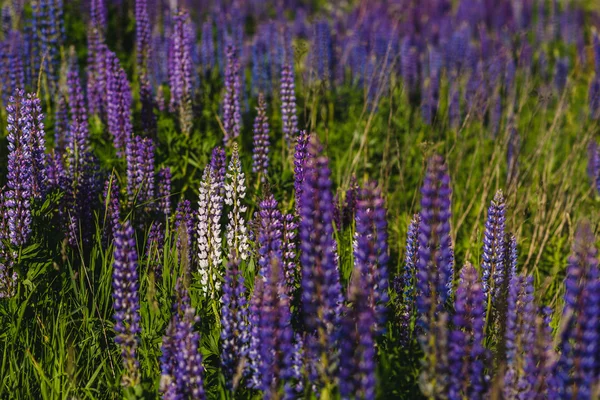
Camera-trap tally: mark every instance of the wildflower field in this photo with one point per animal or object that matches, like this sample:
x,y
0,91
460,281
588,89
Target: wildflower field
x,y
294,199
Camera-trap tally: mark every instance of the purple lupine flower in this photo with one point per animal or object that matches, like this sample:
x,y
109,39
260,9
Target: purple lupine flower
x,y
96,72
232,117
357,347
520,334
235,193
164,191
275,332
435,265
576,368
300,160
48,32
126,302
181,360
289,119
596,49
118,97
406,283
54,171
540,380
208,49
184,229
38,146
371,251
269,235
560,74
349,208
154,249
493,263
291,268
112,213
182,71
321,288
594,99
143,41
322,53
234,323
466,350
140,170
80,169
210,207
20,179
409,61
260,155
254,321
218,163
61,124
15,70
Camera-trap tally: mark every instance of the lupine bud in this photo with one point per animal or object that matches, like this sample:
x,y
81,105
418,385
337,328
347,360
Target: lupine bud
x,y
126,302
406,283
289,119
232,117
184,226
300,160
235,194
164,191
260,154
112,214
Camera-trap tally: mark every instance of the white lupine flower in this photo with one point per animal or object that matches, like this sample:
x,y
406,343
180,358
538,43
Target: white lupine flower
x,y
235,192
209,233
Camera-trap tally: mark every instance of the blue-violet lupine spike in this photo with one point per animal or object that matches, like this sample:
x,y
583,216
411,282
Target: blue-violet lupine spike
x,y
232,117
126,302
269,235
164,191
17,198
321,289
300,159
184,229
260,155
492,259
289,119
371,251
466,350
118,95
112,214
234,324
579,341
289,248
406,284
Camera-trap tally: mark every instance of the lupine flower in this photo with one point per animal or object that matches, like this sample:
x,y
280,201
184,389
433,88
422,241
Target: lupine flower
x,y
275,333
80,177
164,191
520,334
492,259
118,97
38,146
291,269
235,194
289,119
269,235
350,201
96,72
210,205
254,319
55,171
409,60
48,36
405,286
435,265
232,117
143,44
234,323
357,345
185,230
466,351
260,154
154,248
112,214
140,170
300,160
371,251
579,340
207,46
20,179
540,380
181,70
322,54
181,361
61,124
560,74
321,289
16,73
434,274
594,98
126,302
218,163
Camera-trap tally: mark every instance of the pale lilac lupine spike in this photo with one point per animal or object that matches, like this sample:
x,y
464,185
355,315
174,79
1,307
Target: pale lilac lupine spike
x,y
236,232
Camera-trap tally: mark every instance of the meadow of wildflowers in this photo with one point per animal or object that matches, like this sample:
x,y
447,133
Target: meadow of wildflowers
x,y
292,199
